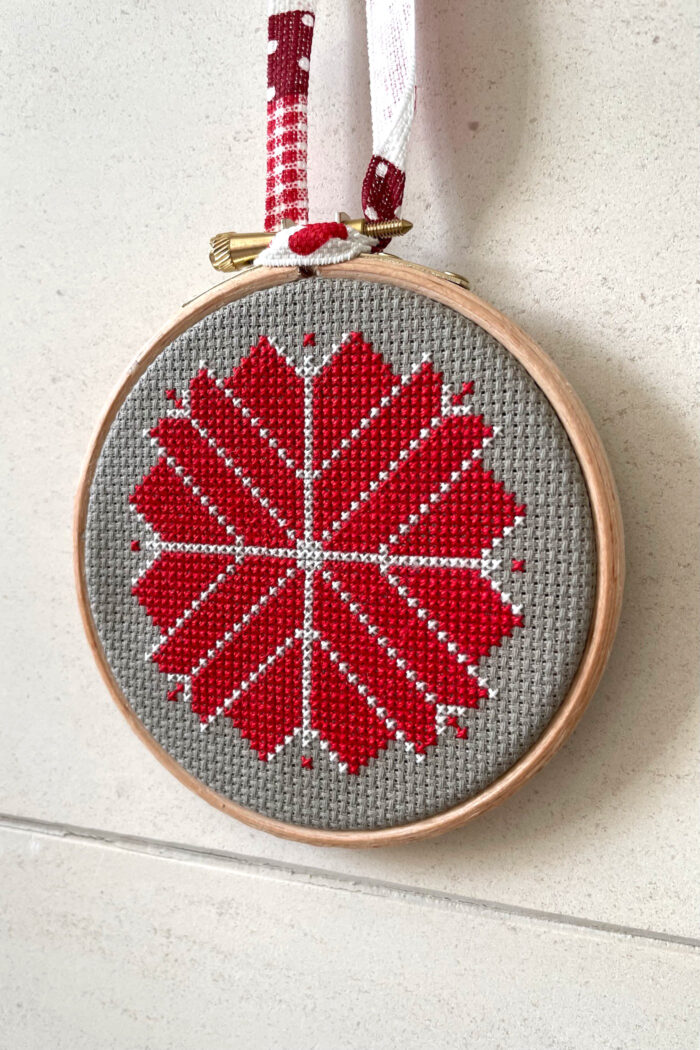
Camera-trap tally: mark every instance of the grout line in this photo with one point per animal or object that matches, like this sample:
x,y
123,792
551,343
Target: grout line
x,y
319,877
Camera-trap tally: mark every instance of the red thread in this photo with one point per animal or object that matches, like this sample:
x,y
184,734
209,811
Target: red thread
x,y
392,643
518,566
467,388
312,237
290,34
461,732
135,545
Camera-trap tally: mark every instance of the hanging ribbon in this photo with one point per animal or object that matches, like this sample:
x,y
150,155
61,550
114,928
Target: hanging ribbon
x,y
391,47
392,78
290,30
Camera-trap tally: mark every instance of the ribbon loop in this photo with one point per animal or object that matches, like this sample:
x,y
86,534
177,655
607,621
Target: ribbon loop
x,y
391,48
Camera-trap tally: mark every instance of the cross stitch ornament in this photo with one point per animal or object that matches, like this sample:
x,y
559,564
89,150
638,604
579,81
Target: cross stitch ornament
x,y
349,551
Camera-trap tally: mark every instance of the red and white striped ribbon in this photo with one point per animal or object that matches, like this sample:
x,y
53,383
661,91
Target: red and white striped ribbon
x,y
290,29
391,47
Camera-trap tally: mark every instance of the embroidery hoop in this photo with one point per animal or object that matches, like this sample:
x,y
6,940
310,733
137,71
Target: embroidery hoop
x,y
607,521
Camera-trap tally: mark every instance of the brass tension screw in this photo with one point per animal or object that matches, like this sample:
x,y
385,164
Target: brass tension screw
x,y
232,251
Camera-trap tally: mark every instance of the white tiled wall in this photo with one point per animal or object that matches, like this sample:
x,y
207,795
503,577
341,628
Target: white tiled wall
x,y
552,162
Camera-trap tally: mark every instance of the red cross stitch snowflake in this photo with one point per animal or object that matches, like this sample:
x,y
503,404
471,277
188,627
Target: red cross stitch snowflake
x,y
322,539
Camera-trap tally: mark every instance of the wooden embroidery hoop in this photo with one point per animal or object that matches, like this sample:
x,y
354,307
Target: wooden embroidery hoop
x,y
604,506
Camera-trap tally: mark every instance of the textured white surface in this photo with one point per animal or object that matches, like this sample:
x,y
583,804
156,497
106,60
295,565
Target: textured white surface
x,y
168,952
551,162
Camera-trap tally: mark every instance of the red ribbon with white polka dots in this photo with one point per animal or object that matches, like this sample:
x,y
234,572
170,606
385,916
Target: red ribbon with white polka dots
x,y
391,47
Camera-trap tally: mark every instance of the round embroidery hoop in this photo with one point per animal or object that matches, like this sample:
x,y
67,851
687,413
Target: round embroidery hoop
x,y
605,517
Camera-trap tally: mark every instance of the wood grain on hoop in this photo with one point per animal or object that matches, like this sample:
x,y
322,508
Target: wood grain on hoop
x,y
604,506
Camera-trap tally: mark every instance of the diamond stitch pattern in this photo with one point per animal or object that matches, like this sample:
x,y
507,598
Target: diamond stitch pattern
x,y
320,614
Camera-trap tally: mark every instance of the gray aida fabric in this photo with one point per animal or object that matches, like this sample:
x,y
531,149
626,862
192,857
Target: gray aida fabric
x,y
340,555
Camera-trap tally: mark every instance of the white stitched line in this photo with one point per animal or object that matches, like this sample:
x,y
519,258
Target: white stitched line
x,y
202,548
245,480
413,561
433,625
496,563
435,497
280,747
201,495
445,711
326,360
257,423
372,629
244,621
384,475
252,678
332,755
517,520
288,739
371,700
384,559
142,519
355,680
270,552
365,423
442,636
420,561
193,607
484,565
449,408
309,574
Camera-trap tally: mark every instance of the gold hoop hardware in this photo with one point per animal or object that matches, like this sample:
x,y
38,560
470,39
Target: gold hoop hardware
x,y
232,251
